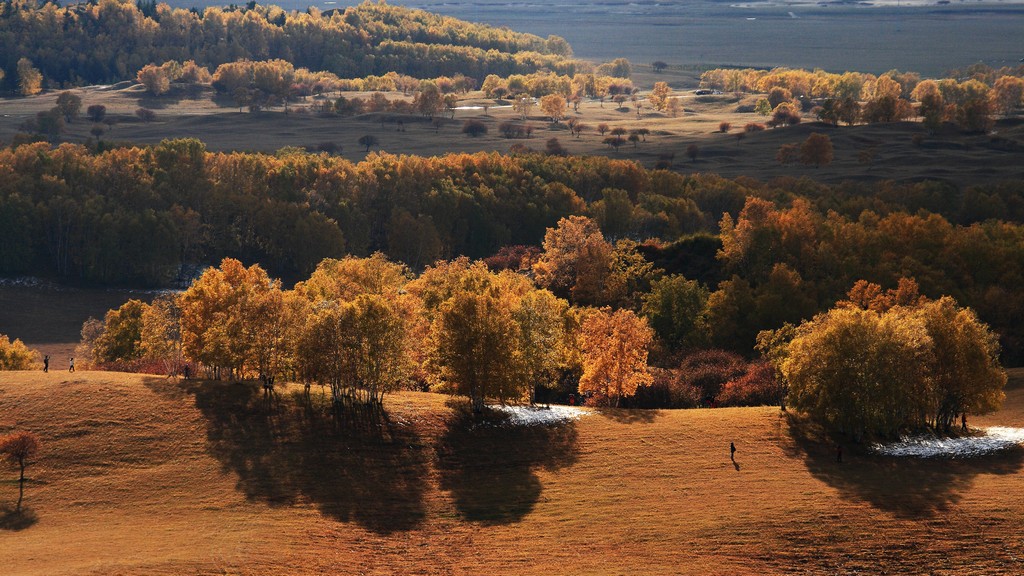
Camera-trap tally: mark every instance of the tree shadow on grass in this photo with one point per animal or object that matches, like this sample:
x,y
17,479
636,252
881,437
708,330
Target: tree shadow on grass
x,y
907,487
355,467
15,519
489,466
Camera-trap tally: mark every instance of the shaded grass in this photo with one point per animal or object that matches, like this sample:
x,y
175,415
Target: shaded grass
x,y
143,475
489,466
915,488
360,468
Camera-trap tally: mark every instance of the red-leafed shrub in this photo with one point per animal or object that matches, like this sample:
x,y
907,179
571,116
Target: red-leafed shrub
x,y
758,387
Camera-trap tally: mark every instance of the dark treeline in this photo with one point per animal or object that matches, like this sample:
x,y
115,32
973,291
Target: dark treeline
x,y
767,253
110,40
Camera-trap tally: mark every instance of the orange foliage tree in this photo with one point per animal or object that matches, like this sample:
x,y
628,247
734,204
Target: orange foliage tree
x,y
614,347
18,448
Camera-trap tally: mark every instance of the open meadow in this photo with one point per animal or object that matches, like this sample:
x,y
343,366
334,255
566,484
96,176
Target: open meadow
x,y
149,475
902,151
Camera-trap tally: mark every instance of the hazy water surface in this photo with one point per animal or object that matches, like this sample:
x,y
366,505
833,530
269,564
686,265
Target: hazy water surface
x,y
854,36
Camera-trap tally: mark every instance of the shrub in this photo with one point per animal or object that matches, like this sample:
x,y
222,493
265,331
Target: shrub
x,y
709,370
758,387
474,128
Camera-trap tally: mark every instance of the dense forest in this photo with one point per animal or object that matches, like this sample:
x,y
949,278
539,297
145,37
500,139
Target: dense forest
x,y
765,252
110,40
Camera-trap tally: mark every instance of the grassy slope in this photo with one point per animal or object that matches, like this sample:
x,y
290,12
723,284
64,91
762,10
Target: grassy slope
x,y
148,475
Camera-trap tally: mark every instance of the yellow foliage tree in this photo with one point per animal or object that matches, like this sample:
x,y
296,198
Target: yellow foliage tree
x,y
885,372
15,355
576,260
614,346
553,106
231,319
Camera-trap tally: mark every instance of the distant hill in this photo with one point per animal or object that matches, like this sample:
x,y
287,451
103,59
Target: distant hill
x,y
111,40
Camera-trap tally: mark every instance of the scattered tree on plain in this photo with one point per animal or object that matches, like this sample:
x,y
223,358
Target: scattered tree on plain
x,y
18,449
474,128
69,104
368,141
553,106
816,150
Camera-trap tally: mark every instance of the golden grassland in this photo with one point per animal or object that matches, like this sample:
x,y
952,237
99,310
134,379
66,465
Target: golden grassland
x,y
150,475
965,159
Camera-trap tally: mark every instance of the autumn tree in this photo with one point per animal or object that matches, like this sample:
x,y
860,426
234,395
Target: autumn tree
x,y
614,347
906,368
576,260
474,347
692,151
155,79
69,104
16,355
817,150
674,107
30,80
474,128
675,309
932,104
1008,94
553,106
229,320
122,334
965,373
160,335
522,105
660,95
360,348
18,449
429,101
541,319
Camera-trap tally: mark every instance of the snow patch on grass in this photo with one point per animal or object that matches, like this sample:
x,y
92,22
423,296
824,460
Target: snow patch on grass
x,y
537,416
995,439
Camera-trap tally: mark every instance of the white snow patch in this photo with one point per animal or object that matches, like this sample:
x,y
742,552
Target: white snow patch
x,y
995,439
537,416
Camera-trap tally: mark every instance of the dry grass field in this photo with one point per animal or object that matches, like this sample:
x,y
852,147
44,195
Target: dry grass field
x,y
949,155
49,318
148,475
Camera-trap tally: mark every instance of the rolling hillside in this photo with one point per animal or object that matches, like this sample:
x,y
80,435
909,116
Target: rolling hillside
x,y
146,475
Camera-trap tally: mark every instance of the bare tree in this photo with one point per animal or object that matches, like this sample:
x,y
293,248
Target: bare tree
x,y
369,141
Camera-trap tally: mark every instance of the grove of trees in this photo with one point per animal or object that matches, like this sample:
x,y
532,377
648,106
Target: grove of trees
x,y
44,44
766,253
968,98
884,367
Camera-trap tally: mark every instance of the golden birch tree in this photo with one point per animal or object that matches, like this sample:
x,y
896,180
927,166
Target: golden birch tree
x,y
614,346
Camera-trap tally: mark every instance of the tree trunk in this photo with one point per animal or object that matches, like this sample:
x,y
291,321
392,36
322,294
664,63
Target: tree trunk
x,y
21,485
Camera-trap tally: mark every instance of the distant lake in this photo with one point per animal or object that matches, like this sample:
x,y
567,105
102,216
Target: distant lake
x,y
929,39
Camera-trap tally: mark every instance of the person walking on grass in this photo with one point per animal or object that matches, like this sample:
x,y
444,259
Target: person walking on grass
x,y
732,451
46,363
71,364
